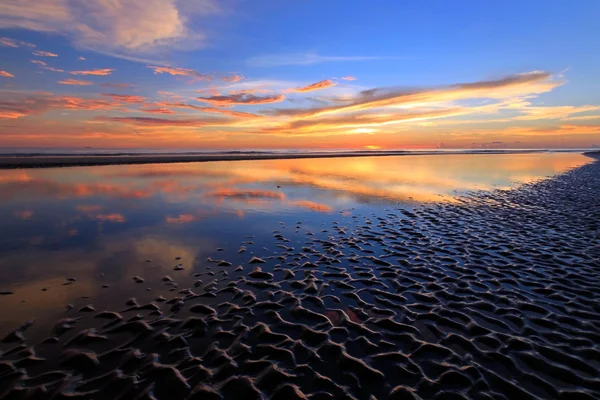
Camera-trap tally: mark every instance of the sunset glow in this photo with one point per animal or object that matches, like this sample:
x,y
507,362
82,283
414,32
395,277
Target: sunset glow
x,y
207,74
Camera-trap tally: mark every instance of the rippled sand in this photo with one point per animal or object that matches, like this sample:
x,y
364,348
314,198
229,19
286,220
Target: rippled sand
x,y
494,297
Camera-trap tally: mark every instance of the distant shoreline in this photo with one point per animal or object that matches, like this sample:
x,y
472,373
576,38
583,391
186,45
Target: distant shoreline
x,y
17,161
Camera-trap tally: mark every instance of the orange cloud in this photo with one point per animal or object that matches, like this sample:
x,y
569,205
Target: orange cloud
x,y
233,78
311,205
224,111
126,98
6,74
11,114
114,217
96,72
76,82
40,53
157,110
348,78
179,72
39,62
315,86
520,84
241,99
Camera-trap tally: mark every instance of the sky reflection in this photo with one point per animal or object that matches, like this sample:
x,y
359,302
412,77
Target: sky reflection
x,y
101,224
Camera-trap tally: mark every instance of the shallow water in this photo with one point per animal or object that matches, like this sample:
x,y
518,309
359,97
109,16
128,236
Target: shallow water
x,y
103,225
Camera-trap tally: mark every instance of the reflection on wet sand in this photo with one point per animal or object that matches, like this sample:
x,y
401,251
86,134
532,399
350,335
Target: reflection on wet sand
x,y
93,220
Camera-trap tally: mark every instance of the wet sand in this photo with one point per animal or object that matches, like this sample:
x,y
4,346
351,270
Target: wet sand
x,y
47,161
493,297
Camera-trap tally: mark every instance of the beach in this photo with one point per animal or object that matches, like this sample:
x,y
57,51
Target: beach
x,y
90,159
488,293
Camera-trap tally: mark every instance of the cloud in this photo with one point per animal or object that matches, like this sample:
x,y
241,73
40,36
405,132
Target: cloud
x,y
311,205
6,74
125,98
556,112
40,53
233,78
163,121
119,27
53,69
241,99
15,105
81,58
39,62
117,85
241,195
348,78
8,42
515,85
157,110
76,82
315,86
96,72
280,60
179,72
224,111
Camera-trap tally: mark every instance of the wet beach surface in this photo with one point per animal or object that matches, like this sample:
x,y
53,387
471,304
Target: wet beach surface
x,y
310,284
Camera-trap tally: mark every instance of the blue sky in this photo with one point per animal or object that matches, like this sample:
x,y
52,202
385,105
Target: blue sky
x,y
211,51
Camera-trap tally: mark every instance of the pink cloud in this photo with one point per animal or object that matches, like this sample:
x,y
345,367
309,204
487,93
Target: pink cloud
x,y
6,74
348,78
97,72
40,53
14,43
75,82
126,98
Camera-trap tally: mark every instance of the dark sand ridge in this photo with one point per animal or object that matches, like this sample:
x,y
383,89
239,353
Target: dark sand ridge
x,y
492,298
63,160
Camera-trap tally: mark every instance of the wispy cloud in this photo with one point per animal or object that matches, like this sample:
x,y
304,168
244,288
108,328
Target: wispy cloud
x,y
40,53
75,82
97,72
119,26
179,72
8,42
348,78
6,74
125,98
315,86
241,99
280,60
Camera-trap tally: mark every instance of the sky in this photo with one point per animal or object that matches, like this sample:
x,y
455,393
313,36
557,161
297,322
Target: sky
x,y
299,74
